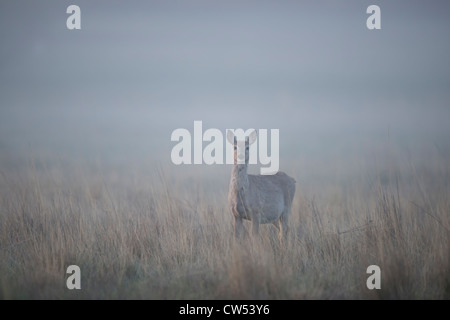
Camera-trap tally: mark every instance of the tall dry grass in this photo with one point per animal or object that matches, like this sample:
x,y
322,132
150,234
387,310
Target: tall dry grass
x,y
151,233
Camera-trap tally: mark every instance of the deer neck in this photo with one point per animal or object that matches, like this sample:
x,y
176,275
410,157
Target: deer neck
x,y
239,177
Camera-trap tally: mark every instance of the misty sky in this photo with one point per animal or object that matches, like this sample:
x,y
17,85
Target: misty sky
x,y
137,70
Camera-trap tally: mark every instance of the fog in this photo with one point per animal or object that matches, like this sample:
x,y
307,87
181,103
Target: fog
x,y
137,70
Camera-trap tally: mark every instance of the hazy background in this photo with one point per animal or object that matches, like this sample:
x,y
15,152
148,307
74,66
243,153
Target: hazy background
x,y
86,118
137,70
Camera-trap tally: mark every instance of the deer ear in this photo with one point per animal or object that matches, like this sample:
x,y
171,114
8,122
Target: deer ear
x,y
230,137
252,137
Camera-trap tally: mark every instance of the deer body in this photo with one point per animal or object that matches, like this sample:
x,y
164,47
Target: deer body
x,y
259,198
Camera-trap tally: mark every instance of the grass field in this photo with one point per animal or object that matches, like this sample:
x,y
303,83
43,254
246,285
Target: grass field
x,y
150,232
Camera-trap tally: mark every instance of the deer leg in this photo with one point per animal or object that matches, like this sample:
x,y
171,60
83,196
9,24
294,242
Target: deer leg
x,y
255,224
238,227
277,224
283,223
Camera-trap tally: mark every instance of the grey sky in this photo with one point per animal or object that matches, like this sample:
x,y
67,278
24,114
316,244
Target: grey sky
x,y
139,69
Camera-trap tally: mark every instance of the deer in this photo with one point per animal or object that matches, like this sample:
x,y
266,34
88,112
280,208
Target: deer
x,y
262,199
